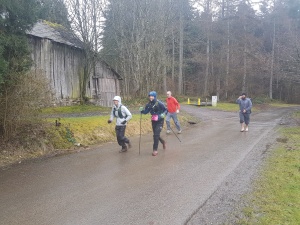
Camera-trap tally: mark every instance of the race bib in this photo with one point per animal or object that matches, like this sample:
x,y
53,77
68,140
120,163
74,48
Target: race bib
x,y
154,118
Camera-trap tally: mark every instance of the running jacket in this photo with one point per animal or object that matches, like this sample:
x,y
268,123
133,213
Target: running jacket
x,y
172,104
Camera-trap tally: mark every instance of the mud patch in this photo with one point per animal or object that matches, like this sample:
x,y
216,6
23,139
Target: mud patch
x,y
282,140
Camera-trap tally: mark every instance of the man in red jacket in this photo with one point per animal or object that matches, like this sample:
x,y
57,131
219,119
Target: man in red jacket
x,y
173,108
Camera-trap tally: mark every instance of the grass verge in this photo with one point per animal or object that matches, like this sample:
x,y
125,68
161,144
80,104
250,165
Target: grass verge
x,y
95,130
45,138
74,109
276,195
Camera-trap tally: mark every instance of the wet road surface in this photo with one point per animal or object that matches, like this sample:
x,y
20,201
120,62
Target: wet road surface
x,y
102,186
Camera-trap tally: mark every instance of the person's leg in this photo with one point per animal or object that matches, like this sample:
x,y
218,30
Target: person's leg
x,y
177,124
242,121
120,131
155,136
168,118
247,121
123,138
157,127
161,124
117,129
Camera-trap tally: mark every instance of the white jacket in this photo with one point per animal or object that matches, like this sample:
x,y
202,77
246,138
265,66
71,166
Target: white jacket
x,y
124,111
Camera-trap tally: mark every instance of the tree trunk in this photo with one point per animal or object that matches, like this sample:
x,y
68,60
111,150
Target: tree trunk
x,y
180,84
219,74
207,66
245,63
227,53
272,61
207,49
173,57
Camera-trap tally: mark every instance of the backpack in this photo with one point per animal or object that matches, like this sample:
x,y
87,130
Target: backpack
x,y
119,113
158,104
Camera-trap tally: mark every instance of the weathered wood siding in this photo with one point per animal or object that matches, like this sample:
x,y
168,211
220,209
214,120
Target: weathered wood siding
x,y
105,85
62,66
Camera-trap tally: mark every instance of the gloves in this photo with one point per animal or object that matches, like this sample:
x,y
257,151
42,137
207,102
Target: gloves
x,y
108,121
162,115
177,111
141,108
124,122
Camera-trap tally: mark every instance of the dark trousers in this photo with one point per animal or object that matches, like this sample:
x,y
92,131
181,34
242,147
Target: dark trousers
x,y
122,140
157,126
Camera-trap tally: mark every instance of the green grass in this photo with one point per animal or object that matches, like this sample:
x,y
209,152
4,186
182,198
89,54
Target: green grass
x,y
276,197
280,104
230,107
297,115
95,129
74,109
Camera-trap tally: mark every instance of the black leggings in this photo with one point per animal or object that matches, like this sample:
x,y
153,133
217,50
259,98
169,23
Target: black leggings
x,y
157,127
120,132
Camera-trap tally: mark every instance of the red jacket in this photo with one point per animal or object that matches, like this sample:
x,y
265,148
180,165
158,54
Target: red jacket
x,y
172,104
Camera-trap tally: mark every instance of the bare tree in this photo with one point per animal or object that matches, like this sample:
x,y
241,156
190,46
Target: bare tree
x,y
86,18
180,76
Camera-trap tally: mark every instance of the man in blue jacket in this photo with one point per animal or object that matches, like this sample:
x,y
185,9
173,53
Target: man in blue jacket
x,y
158,110
245,110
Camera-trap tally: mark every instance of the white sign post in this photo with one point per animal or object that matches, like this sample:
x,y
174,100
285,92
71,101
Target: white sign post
x,y
214,100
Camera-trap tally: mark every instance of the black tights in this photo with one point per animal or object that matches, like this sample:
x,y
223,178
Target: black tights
x,y
157,127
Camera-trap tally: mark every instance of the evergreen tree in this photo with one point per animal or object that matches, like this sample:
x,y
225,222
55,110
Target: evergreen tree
x,y
54,11
16,17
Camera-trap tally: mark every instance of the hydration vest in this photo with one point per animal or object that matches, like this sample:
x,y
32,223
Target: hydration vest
x,y
120,114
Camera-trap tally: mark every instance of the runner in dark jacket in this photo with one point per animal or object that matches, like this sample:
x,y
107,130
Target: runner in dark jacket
x,y
158,110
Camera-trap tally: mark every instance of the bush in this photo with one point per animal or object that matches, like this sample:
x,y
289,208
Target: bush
x,y
20,103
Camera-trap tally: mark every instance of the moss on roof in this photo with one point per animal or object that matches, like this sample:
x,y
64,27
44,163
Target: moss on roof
x,y
56,33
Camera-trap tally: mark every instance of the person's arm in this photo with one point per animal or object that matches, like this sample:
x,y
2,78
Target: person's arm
x,y
238,100
167,104
177,105
128,113
146,110
162,108
111,115
249,105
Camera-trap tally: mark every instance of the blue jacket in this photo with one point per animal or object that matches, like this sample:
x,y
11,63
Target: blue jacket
x,y
245,104
155,107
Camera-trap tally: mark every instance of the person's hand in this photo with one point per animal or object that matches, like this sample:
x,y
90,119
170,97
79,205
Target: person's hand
x,y
244,111
141,108
124,122
240,97
108,121
162,115
177,111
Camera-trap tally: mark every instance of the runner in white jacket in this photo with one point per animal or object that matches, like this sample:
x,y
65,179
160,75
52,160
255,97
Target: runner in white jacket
x,y
123,115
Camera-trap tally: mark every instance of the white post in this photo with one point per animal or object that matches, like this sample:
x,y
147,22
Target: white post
x,y
214,100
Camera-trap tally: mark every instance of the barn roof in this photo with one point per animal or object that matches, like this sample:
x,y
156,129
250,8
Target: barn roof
x,y
56,33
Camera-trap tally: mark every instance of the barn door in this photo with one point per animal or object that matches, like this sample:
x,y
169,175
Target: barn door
x,y
107,90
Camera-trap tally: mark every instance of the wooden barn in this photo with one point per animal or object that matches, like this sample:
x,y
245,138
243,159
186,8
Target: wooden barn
x,y
58,54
